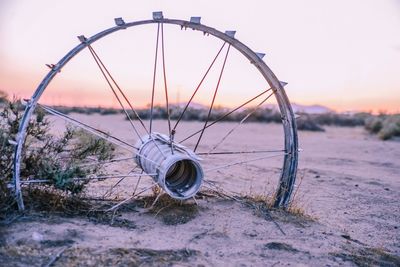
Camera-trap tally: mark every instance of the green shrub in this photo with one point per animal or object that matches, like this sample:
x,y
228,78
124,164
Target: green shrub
x,y
385,126
57,159
374,124
390,128
306,123
338,119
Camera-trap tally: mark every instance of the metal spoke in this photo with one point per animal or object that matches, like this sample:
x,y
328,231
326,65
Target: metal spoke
x,y
146,189
236,197
166,87
104,162
137,184
242,162
101,67
214,96
154,79
131,197
119,181
219,191
239,152
38,180
99,62
197,88
97,132
241,122
229,113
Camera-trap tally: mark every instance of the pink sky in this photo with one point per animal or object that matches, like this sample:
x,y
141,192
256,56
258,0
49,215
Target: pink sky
x,y
342,54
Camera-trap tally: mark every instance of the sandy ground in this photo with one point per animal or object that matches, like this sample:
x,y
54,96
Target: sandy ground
x,y
349,188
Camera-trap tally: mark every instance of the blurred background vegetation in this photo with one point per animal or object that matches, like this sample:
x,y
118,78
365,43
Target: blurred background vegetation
x,y
385,126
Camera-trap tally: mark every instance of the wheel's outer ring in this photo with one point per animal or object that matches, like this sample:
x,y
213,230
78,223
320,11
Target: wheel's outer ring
x,y
289,169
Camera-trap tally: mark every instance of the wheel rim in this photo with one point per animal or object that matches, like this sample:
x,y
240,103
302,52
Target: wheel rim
x,y
290,157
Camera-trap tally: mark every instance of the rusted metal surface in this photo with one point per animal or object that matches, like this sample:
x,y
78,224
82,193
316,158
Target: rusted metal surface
x,y
289,168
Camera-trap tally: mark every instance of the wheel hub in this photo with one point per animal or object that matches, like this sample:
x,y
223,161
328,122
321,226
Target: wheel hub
x,y
176,169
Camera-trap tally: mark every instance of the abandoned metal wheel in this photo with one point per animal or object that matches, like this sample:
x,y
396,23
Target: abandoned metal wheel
x,y
181,157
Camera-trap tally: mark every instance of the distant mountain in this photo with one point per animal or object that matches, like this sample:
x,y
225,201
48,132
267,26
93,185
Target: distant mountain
x,y
312,109
298,108
192,105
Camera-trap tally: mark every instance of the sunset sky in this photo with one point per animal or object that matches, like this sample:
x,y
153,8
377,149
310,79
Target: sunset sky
x,y
344,54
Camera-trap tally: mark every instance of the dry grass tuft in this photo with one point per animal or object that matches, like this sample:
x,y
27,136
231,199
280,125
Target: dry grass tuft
x,y
46,200
50,200
263,207
263,204
169,210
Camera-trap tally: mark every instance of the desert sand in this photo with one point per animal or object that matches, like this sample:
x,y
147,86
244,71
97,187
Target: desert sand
x,y
348,187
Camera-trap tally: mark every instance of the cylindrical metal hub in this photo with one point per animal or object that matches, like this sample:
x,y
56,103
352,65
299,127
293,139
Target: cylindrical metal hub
x,y
176,170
